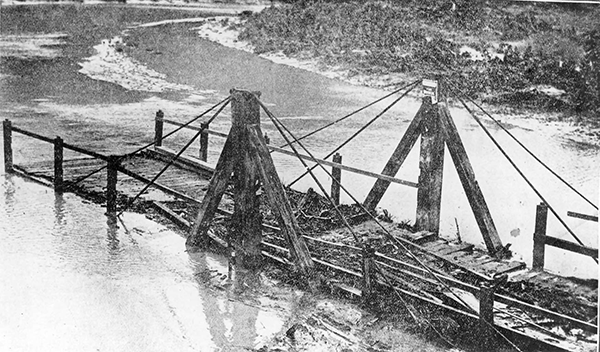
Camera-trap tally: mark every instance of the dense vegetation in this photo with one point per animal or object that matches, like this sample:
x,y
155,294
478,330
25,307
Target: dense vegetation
x,y
523,46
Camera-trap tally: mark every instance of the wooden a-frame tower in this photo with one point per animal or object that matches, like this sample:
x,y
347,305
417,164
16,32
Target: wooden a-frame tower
x,y
246,161
434,124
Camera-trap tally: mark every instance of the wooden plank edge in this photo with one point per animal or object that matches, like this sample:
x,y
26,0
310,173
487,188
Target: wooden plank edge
x,y
184,161
22,173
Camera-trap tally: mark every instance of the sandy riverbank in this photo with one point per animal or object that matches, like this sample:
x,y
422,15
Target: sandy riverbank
x,y
225,31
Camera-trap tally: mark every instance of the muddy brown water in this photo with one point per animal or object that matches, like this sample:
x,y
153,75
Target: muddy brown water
x,y
42,49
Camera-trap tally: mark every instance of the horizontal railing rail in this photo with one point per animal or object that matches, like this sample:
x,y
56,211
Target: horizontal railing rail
x,y
351,169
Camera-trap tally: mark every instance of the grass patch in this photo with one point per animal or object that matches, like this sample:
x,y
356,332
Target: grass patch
x,y
518,45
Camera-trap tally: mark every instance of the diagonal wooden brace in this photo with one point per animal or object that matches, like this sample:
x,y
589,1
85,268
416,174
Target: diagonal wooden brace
x,y
216,188
278,200
469,183
397,159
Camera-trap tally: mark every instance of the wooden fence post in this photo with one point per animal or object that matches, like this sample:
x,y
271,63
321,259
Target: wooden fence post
x,y
8,154
368,269
539,237
204,142
486,309
111,184
158,128
336,174
58,164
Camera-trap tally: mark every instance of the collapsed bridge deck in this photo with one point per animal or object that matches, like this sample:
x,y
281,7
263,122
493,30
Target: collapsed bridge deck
x,y
500,293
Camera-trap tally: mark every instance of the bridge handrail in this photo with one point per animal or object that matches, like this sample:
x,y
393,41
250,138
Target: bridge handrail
x,y
65,145
306,157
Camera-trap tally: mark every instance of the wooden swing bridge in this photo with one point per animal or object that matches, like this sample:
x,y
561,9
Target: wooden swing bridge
x,y
355,258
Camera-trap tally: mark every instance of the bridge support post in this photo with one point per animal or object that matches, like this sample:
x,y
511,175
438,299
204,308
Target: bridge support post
x,y
204,142
245,155
111,184
58,164
539,237
431,165
247,219
158,128
8,153
336,174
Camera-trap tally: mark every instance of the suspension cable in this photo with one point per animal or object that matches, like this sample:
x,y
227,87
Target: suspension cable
x,y
398,90
531,153
394,240
355,133
204,126
515,138
72,184
519,170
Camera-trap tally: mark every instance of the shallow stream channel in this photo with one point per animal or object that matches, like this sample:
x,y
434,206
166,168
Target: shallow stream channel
x,y
73,280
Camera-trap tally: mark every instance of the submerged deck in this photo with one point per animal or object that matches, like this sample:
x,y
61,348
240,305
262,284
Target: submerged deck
x,y
353,251
179,191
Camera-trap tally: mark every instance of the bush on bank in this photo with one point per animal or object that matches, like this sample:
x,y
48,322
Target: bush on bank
x,y
522,46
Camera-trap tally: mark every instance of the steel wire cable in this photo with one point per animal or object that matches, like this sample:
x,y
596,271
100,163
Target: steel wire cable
x,y
394,240
531,153
516,139
398,90
72,184
204,126
538,193
360,130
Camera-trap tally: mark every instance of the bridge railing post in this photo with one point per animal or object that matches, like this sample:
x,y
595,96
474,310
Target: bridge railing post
x,y
58,164
336,174
486,309
368,270
204,142
8,154
158,128
111,184
539,237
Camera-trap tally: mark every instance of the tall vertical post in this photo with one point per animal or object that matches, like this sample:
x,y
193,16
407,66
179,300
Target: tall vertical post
x,y
431,165
247,219
486,310
539,237
336,174
204,141
368,269
111,184
58,164
8,154
158,128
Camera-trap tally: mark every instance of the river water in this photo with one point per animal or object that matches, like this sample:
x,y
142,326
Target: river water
x,y
60,76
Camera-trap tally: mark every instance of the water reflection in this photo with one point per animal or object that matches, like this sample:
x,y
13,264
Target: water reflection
x,y
59,210
112,229
71,277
